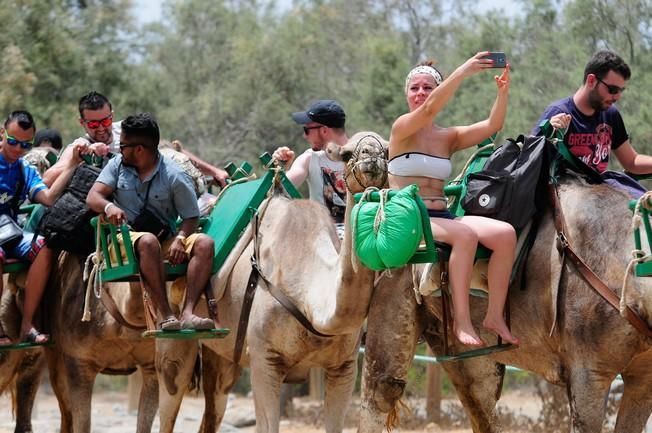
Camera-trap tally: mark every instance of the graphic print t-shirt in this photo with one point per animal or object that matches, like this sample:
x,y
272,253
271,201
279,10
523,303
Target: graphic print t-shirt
x,y
326,183
590,138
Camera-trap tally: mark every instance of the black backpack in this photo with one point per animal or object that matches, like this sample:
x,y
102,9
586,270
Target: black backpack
x,y
511,185
66,225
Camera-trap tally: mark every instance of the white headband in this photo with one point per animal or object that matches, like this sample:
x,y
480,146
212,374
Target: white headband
x,y
423,69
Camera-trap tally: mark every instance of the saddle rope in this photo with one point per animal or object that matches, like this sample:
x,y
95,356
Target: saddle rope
x,y
638,256
92,274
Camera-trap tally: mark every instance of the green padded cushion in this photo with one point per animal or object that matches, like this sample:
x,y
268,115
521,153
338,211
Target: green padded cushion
x,y
387,236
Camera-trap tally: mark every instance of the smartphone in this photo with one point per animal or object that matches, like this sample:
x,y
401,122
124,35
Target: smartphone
x,y
500,61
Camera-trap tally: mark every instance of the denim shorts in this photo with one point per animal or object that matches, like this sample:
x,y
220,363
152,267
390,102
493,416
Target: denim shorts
x,y
441,213
23,250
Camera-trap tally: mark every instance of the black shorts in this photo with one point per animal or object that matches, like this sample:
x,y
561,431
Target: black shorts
x,y
441,213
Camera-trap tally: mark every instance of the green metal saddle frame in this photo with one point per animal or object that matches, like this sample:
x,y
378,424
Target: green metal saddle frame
x,y
237,204
32,214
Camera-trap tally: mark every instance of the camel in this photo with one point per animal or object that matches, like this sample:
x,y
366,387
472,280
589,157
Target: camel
x,y
81,350
298,253
589,345
20,370
101,345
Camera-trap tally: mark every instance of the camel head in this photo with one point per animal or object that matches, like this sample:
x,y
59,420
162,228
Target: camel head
x,y
365,155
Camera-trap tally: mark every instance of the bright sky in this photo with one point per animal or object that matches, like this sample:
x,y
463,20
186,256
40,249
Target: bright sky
x,y
150,10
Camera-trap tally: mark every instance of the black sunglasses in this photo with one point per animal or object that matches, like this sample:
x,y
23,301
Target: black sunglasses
x,y
306,129
124,146
613,90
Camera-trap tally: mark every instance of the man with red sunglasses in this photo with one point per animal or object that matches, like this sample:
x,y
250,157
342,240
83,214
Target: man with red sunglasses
x,y
20,181
102,134
593,124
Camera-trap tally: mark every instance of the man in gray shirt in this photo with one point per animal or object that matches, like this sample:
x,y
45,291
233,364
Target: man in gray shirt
x,y
149,192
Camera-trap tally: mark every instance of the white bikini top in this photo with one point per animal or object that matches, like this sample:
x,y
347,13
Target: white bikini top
x,y
420,164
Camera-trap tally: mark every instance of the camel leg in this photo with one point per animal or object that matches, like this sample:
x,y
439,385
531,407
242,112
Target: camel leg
x,y
218,377
80,378
478,383
148,402
27,383
587,393
266,379
60,388
175,363
340,383
389,348
635,405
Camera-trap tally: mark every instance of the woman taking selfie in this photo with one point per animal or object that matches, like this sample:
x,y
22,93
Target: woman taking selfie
x,y
419,152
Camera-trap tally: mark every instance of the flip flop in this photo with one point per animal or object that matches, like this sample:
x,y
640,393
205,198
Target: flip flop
x,y
34,336
170,324
199,323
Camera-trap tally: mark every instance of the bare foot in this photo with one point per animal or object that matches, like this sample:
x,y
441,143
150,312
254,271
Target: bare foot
x,y
191,321
499,327
467,336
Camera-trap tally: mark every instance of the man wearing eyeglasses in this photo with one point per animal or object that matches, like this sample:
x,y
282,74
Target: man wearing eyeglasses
x,y
101,137
593,124
103,134
323,122
19,181
149,191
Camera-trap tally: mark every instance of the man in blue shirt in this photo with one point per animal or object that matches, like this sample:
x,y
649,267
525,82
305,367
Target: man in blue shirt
x,y
594,126
149,192
19,181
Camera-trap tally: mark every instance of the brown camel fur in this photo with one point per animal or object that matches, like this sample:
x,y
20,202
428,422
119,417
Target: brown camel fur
x,y
20,370
590,345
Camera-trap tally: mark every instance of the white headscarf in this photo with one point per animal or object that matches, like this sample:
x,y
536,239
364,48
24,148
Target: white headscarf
x,y
423,69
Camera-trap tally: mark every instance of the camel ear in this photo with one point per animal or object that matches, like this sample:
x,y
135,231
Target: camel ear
x,y
336,152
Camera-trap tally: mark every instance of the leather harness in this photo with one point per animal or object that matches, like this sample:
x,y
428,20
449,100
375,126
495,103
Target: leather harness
x,y
255,276
565,250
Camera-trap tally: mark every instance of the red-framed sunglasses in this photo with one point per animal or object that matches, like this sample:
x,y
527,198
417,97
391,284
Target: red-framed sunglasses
x,y
94,124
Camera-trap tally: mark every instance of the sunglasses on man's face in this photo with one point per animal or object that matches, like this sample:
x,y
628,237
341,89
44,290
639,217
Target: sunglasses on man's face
x,y
94,124
124,146
13,141
306,129
613,90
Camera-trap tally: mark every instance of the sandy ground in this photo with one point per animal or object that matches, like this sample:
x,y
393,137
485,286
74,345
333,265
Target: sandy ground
x,y
110,414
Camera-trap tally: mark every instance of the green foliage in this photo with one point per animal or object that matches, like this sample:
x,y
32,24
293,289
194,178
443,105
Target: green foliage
x,y
223,76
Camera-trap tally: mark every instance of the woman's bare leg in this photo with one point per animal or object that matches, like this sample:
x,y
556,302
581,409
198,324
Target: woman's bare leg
x,y
464,243
500,237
